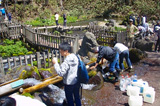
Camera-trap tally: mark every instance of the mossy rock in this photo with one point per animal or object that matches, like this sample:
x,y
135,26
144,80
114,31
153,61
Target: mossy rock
x,y
92,73
46,73
136,55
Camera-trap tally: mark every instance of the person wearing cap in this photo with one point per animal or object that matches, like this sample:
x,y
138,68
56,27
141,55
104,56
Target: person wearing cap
x,y
111,55
131,31
158,40
123,53
142,31
156,30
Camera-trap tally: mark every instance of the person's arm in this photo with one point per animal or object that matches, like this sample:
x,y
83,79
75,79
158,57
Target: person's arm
x,y
60,69
100,56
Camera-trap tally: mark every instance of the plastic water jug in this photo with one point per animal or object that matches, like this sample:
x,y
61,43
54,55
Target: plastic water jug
x,y
135,101
149,95
141,84
133,91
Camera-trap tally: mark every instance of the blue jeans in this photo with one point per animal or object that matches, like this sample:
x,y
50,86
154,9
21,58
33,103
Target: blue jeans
x,y
57,22
114,64
70,91
125,54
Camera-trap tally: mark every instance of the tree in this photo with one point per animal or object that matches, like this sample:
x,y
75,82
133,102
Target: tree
x,y
46,2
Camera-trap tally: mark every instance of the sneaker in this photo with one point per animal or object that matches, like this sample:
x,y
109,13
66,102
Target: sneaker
x,y
119,71
130,67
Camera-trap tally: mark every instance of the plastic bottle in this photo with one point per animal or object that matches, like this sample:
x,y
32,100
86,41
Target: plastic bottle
x,y
134,77
127,81
122,83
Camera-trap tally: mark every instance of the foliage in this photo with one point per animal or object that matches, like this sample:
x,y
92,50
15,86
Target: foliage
x,y
28,95
30,52
38,14
92,73
69,32
35,63
120,29
8,42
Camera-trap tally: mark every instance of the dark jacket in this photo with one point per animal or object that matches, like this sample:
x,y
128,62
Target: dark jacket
x,y
106,52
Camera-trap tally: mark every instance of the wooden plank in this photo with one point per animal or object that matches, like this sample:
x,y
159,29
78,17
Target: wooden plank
x,y
9,82
42,84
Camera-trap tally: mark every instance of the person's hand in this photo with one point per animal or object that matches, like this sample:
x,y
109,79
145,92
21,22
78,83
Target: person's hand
x,y
54,60
92,67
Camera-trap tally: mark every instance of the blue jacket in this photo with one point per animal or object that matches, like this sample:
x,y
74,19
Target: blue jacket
x,y
106,52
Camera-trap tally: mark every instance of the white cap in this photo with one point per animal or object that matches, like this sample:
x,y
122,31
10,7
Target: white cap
x,y
157,28
97,48
131,20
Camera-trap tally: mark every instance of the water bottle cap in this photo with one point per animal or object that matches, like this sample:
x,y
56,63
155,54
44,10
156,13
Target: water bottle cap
x,y
134,80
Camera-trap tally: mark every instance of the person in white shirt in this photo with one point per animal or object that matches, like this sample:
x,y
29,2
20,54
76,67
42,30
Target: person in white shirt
x,y
142,31
123,53
56,18
68,70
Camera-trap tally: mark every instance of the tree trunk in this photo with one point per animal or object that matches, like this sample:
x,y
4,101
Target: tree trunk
x,y
61,3
46,2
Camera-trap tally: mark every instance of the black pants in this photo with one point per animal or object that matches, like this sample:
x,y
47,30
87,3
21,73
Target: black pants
x,y
157,44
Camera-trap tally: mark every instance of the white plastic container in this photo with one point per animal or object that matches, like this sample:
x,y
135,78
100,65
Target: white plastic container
x,y
122,85
135,101
133,91
149,95
141,84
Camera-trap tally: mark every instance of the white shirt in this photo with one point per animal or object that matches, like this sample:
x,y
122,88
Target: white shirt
x,y
120,47
26,101
141,29
68,69
56,16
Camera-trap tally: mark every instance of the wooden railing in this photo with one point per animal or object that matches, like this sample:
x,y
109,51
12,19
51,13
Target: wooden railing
x,y
41,37
107,37
10,63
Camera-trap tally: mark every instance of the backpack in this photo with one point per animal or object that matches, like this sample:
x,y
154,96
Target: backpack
x,y
82,72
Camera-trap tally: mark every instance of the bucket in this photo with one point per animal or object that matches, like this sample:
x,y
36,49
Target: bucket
x,y
135,101
149,95
133,91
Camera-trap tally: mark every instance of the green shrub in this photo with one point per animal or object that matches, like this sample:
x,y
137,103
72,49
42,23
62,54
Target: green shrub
x,y
35,63
30,52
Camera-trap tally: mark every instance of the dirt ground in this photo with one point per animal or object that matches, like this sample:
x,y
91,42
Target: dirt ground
x,y
147,69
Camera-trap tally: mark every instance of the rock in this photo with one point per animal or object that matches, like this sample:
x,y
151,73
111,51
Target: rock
x,y
89,42
136,55
144,44
97,80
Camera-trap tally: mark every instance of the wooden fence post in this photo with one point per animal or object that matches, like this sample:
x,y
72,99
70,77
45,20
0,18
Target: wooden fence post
x,y
38,60
31,60
26,62
76,44
1,65
9,64
48,60
20,60
44,59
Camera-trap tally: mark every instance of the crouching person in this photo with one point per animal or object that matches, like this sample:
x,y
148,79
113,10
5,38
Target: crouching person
x,y
123,53
68,70
111,55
